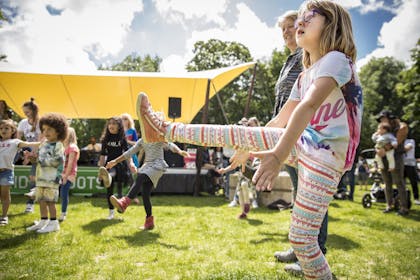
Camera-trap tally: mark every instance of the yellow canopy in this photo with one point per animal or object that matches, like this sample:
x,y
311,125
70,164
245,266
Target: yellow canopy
x,y
104,94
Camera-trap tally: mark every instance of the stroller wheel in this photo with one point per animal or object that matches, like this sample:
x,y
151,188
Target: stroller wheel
x,y
367,201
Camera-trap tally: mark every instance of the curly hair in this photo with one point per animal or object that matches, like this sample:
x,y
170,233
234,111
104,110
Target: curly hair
x,y
56,121
106,134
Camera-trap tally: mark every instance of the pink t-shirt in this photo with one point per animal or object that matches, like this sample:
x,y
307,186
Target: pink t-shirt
x,y
333,133
72,148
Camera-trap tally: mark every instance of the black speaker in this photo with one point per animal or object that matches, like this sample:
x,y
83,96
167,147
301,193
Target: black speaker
x,y
174,107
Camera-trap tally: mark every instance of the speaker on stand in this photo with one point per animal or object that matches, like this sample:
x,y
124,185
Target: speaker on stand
x,y
174,107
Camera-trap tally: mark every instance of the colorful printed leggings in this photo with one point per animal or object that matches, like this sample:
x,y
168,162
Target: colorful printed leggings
x,y
316,185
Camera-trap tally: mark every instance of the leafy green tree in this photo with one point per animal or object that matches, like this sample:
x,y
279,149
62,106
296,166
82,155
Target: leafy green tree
x,y
216,54
135,63
408,91
378,78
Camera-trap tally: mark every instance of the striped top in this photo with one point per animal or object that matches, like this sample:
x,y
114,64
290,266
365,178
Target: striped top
x,y
154,164
287,77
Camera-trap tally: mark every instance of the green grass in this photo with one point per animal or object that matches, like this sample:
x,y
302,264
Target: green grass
x,y
201,238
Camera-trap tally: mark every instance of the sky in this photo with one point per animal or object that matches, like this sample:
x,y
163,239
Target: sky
x,y
80,35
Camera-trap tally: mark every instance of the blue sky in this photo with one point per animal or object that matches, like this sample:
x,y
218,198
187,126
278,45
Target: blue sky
x,y
69,35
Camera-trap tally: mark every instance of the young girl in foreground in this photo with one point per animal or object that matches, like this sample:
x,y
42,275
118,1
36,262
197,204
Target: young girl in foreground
x,y
148,175
323,117
48,170
9,146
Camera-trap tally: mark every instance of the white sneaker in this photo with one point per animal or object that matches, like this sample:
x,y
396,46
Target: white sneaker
x,y
29,208
416,202
62,217
4,221
254,204
111,214
37,225
233,203
31,193
105,177
50,227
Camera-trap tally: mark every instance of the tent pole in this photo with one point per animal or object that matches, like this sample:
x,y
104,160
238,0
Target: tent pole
x,y
251,88
199,156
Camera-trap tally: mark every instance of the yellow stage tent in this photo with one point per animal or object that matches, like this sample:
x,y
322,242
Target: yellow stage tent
x,y
103,94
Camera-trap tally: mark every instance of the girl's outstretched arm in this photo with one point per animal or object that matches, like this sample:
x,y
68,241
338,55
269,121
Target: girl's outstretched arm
x,y
29,144
272,160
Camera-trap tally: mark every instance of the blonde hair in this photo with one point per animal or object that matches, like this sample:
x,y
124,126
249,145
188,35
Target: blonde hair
x,y
71,136
11,124
337,34
292,15
129,118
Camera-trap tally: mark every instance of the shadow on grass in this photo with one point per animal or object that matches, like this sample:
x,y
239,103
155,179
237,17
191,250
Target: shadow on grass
x,y
270,236
144,237
254,222
98,225
341,243
17,240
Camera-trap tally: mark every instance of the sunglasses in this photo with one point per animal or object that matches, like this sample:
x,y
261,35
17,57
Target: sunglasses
x,y
306,18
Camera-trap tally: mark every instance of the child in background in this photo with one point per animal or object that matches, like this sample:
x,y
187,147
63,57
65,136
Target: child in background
x,y
130,134
48,171
114,144
148,175
385,142
9,146
71,154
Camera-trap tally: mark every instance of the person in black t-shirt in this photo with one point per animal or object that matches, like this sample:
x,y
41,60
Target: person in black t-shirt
x,y
114,144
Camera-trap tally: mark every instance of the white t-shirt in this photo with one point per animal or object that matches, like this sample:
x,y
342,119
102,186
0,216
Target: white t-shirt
x,y
26,129
333,133
409,156
8,150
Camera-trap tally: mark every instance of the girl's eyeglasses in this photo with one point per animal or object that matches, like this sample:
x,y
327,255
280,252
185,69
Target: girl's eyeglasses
x,y
306,18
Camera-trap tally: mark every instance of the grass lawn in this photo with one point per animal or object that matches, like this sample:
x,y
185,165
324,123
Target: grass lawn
x,y
201,238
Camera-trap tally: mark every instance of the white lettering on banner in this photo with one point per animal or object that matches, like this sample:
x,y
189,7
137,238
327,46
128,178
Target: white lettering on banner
x,y
87,182
21,182
325,113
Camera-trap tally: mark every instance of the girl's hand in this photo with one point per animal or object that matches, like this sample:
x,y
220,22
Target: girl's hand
x,y
267,171
63,179
184,153
133,168
110,164
239,158
221,171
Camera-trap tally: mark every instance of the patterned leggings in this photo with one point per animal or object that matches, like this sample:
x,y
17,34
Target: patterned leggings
x,y
316,185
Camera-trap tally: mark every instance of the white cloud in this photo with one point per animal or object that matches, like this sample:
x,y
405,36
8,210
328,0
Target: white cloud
x,y
38,40
249,30
398,36
177,11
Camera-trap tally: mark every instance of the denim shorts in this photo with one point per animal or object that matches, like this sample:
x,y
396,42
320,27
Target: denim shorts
x,y
7,178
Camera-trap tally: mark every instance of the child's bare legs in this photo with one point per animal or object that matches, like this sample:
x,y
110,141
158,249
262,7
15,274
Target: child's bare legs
x,y
378,159
5,199
243,194
52,209
43,208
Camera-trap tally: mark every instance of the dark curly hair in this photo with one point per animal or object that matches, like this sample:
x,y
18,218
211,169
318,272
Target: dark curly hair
x,y
56,121
106,134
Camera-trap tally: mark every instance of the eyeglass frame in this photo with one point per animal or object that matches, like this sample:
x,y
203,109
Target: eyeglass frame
x,y
308,18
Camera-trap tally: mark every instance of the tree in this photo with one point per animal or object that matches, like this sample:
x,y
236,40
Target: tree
x,y
408,91
135,63
378,78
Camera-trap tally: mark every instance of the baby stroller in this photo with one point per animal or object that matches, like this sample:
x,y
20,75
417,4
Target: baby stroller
x,y
377,192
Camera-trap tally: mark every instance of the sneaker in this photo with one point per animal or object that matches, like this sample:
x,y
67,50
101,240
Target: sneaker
x,y
402,212
50,227
242,216
31,193
416,202
149,223
294,269
387,210
254,204
286,256
233,203
4,221
111,214
152,126
29,208
105,177
37,225
121,204
62,217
